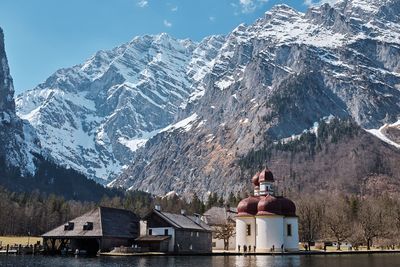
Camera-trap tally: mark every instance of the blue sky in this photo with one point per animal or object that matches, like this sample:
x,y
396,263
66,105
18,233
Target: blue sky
x,y
45,35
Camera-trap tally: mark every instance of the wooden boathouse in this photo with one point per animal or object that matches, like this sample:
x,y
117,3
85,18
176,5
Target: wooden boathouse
x,y
100,229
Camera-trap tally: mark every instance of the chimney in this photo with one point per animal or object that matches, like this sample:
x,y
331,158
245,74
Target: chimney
x,y
183,212
143,228
204,219
157,207
197,216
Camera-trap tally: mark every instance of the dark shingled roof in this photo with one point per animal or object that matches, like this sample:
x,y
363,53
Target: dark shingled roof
x,y
183,221
107,222
220,216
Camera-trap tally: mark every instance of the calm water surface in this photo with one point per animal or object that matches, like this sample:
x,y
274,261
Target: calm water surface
x,y
376,260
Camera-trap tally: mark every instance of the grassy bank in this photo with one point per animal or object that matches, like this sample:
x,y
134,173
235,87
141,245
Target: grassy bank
x,y
19,240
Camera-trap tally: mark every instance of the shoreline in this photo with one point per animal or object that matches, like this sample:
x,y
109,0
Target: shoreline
x,y
233,253
23,240
225,253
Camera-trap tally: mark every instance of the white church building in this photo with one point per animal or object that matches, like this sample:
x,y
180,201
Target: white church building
x,y
266,222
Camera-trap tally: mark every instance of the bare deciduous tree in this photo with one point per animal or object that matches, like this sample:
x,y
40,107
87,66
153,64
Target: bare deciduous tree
x,y
310,212
371,219
225,232
337,221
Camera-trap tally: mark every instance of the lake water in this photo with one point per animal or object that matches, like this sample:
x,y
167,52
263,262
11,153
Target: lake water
x,y
376,260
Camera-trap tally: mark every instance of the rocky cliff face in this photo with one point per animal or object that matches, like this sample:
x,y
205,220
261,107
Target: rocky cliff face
x,y
24,166
18,141
272,80
94,116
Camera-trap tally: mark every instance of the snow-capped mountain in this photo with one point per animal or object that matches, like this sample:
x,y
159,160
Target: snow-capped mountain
x,y
274,79
94,116
175,115
18,141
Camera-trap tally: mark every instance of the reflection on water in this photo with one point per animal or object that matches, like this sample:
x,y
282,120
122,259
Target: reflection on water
x,y
375,260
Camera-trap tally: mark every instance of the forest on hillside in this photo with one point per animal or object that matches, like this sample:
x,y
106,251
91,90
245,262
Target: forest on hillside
x,y
35,213
336,156
50,178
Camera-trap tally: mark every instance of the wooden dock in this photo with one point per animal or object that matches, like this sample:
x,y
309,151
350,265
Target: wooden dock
x,y
32,249
11,251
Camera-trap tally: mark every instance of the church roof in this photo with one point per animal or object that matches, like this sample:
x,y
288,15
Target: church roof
x,y
266,176
268,204
255,179
248,206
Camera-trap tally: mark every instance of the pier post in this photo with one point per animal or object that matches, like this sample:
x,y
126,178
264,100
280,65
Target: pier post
x,y
8,247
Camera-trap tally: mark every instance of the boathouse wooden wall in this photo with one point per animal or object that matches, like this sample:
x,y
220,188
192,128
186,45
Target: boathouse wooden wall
x,y
192,241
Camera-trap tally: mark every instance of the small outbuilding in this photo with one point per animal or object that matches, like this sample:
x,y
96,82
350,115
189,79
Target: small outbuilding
x,y
178,233
99,229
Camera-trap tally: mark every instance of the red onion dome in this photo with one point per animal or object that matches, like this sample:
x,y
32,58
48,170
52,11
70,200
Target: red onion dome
x,y
288,207
270,205
255,179
266,176
248,206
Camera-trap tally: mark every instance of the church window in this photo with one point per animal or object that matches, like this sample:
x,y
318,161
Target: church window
x,y
289,230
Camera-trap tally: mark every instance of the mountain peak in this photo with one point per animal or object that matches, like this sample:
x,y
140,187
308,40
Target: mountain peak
x,y
282,7
282,10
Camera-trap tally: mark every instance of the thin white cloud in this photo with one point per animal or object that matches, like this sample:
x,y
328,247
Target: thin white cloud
x,y
143,3
211,18
236,9
167,23
174,9
249,6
